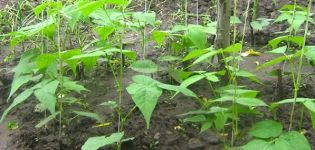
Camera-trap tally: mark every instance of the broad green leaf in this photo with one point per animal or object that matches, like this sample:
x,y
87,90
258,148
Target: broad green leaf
x,y
206,56
211,77
194,54
169,58
220,121
266,129
292,141
159,36
88,55
235,20
18,81
147,18
191,80
241,92
116,2
198,37
29,31
272,62
233,48
71,16
310,53
298,100
312,114
90,115
144,66
44,60
104,32
132,55
250,76
310,105
256,25
46,95
258,144
86,7
206,125
19,99
73,86
280,50
47,119
181,89
299,40
250,101
66,55
94,143
212,110
178,28
197,118
26,64
145,94
40,8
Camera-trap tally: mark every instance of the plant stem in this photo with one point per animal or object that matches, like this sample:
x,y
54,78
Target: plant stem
x,y
60,78
300,65
301,117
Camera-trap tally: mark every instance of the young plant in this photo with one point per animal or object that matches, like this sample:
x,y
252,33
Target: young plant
x,y
268,134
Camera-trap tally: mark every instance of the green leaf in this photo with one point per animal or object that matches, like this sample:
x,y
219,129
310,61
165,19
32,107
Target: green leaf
x,y
19,99
116,2
220,120
178,89
310,53
66,55
47,119
256,25
266,129
292,141
169,58
94,143
258,144
191,80
299,40
87,7
211,77
159,36
40,8
147,18
197,118
73,86
144,66
298,100
90,115
44,60
235,20
104,32
250,101
273,62
250,76
18,81
280,50
206,56
312,114
46,95
194,54
145,94
310,105
205,126
233,48
198,37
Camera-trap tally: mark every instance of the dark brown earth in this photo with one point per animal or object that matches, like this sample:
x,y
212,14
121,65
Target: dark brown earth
x,y
166,132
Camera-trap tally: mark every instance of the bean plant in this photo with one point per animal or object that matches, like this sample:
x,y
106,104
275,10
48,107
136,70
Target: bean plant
x,y
66,40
